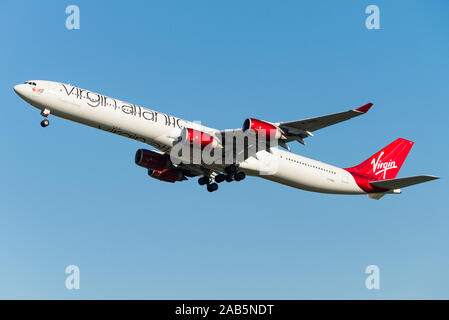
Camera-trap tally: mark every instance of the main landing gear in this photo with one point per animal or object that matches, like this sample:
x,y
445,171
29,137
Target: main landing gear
x,y
230,175
45,113
203,180
238,176
211,186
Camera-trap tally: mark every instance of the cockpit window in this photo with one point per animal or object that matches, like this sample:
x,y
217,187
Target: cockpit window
x,y
30,83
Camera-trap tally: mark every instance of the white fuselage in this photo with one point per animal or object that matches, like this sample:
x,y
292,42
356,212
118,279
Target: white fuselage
x,y
162,130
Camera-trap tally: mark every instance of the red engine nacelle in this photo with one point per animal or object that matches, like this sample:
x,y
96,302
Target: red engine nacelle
x,y
152,160
168,175
197,138
261,127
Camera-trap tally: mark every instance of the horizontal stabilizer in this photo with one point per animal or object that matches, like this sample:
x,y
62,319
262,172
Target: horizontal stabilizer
x,y
391,184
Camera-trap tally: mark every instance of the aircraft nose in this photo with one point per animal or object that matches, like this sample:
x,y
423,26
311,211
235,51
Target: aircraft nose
x,y
20,90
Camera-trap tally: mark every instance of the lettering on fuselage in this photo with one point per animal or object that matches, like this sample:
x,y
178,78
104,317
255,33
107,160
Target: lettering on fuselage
x,y
122,133
130,135
95,100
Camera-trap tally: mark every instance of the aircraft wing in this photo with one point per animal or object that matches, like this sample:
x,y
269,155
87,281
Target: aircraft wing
x,y
289,131
300,129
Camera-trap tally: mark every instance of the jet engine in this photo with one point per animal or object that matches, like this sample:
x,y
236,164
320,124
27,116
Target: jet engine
x,y
262,128
168,175
152,160
197,138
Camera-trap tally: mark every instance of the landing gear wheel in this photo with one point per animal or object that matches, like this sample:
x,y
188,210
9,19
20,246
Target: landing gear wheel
x,y
231,169
45,123
239,176
212,187
203,180
220,178
229,178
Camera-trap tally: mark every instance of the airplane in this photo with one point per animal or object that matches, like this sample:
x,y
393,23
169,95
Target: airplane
x,y
259,157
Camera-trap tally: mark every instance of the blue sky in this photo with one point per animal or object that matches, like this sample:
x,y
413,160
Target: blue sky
x,y
72,194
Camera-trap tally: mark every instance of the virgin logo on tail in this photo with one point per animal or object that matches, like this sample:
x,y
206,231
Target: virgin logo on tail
x,y
380,167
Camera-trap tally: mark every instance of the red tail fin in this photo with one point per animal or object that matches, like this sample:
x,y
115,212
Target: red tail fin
x,y
386,163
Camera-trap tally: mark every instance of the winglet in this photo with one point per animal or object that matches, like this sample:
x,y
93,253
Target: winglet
x,y
365,108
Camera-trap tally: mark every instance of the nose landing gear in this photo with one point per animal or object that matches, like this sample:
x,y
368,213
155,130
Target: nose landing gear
x,y
45,123
45,113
